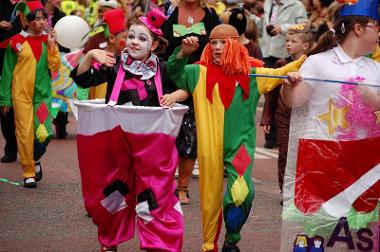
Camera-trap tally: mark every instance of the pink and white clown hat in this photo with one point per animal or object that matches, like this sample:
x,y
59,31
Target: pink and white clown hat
x,y
154,20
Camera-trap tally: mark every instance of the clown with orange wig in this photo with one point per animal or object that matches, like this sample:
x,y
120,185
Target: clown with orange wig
x,y
225,101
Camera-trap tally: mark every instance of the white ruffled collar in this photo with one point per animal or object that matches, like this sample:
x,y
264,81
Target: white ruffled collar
x,y
145,70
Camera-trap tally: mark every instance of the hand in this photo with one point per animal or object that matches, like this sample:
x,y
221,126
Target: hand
x,y
294,78
266,129
5,109
167,100
276,30
103,57
189,45
52,38
4,25
247,13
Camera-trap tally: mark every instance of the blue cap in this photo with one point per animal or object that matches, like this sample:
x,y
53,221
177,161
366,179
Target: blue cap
x,y
366,8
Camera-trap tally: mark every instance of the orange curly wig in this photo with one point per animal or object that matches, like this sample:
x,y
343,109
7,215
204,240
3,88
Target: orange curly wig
x,y
235,58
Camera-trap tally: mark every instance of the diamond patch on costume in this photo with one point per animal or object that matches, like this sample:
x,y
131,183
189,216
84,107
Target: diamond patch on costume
x,y
142,210
42,112
241,160
234,218
42,133
239,191
114,203
178,208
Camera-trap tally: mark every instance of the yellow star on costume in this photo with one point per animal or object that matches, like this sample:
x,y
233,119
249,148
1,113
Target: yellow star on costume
x,y
377,114
335,117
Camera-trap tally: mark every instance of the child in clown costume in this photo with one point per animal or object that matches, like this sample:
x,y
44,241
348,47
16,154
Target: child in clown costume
x,y
137,76
137,60
26,85
225,101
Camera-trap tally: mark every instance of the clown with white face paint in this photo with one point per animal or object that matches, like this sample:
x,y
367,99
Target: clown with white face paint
x,y
141,179
145,78
139,42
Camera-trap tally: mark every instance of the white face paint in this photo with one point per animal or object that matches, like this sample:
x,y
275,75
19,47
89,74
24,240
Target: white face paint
x,y
139,42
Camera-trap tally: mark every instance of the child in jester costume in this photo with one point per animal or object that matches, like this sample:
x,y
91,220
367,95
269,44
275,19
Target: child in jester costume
x,y
26,85
225,100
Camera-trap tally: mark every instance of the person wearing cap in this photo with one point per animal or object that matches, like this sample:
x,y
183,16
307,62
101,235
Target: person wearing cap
x,y
137,76
26,85
341,53
225,101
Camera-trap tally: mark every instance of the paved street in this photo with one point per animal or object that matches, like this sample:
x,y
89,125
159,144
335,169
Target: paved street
x,y
52,217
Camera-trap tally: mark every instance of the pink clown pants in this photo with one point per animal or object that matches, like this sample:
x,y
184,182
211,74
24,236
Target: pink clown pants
x,y
127,158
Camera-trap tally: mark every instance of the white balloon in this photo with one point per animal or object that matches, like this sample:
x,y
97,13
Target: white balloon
x,y
71,31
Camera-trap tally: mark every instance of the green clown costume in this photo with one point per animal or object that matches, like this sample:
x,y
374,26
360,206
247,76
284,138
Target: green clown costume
x,y
225,108
26,85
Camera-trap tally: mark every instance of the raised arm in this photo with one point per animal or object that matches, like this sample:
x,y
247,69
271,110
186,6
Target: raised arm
x,y
267,84
101,56
86,75
184,76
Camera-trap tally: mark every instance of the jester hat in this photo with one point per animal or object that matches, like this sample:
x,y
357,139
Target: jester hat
x,y
154,20
114,22
366,8
28,7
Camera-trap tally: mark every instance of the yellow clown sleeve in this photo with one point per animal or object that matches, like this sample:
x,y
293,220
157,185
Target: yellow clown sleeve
x,y
54,59
265,85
